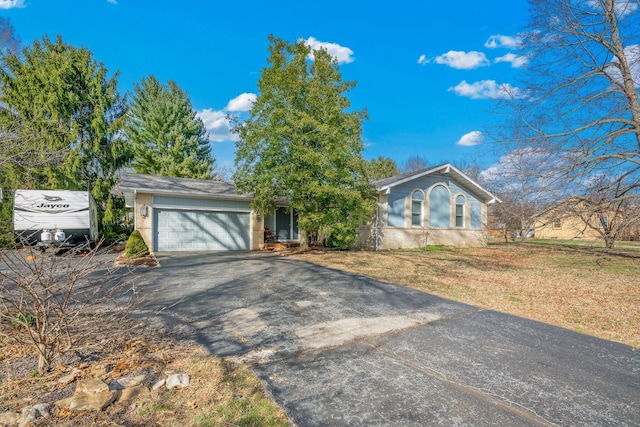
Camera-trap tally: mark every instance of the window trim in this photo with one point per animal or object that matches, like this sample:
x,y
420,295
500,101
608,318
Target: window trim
x,y
417,201
462,215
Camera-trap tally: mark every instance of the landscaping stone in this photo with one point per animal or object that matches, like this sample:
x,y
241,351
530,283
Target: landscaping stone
x,y
126,382
91,385
91,394
28,416
159,384
32,413
177,380
131,393
68,379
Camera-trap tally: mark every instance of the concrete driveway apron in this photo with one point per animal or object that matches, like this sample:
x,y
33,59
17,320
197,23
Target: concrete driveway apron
x,y
337,349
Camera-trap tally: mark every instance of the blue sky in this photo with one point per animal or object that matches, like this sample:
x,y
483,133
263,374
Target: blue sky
x,y
427,71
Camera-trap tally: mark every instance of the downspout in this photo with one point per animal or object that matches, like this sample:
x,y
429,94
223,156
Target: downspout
x,y
376,232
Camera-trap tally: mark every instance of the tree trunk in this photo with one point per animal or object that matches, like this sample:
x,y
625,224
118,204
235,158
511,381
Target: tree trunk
x,y
609,241
46,353
304,240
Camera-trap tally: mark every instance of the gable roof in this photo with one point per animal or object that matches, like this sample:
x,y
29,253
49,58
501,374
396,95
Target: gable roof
x,y
447,169
130,183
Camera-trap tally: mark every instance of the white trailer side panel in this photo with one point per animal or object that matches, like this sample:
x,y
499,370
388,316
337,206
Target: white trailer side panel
x,y
35,210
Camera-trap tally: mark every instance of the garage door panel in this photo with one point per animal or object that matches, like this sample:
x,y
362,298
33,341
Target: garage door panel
x,y
178,230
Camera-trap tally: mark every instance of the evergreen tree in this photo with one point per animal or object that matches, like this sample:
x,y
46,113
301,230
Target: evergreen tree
x,y
60,121
380,168
166,135
301,144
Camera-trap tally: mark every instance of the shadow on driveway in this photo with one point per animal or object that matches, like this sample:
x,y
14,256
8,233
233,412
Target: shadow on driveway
x,y
341,350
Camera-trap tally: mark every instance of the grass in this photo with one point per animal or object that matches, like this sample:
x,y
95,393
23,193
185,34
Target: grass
x,y
576,285
220,393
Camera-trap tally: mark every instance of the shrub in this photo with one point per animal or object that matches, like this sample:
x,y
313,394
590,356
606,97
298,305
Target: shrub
x,y
49,299
136,247
341,236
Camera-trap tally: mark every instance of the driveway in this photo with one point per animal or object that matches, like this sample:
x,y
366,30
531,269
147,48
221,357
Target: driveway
x,y
337,349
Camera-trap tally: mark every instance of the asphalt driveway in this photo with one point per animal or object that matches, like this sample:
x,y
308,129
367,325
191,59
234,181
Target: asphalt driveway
x,y
336,349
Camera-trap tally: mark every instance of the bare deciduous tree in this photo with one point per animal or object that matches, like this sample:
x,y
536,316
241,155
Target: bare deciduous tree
x,y
25,152
46,299
414,164
581,92
522,180
9,41
607,209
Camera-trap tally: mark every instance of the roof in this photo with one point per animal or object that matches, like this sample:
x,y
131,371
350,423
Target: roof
x,y
446,168
130,183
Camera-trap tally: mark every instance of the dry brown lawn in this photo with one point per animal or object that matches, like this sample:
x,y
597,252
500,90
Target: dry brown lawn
x,y
588,290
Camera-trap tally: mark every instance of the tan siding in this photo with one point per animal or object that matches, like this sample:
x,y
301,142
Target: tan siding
x,y
257,231
571,228
144,224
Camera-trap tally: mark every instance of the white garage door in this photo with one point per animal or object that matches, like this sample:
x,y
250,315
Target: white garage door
x,y
179,230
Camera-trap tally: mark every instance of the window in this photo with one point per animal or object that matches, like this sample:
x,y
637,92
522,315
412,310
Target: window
x,y
557,223
604,222
283,223
440,207
416,208
460,212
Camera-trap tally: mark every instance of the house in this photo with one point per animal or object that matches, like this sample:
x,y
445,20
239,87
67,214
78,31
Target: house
x,y
438,205
179,214
571,219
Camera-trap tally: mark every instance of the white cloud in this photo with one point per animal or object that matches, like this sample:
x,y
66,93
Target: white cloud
x,y
463,60
242,102
516,61
470,139
498,40
10,4
342,54
632,52
112,1
532,165
621,7
217,125
217,121
487,89
423,60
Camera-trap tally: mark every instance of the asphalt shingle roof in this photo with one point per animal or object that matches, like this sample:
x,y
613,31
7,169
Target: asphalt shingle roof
x,y
391,180
153,183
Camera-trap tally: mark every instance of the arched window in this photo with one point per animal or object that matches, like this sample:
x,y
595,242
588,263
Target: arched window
x,y
460,211
439,207
416,208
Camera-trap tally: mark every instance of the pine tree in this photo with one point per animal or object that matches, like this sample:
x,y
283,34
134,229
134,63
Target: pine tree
x,y
60,120
166,136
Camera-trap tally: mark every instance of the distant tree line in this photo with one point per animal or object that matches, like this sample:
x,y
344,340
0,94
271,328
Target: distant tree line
x,y
64,125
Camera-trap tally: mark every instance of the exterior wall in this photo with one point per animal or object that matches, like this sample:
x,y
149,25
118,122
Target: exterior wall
x,y
257,231
396,231
570,228
405,238
144,224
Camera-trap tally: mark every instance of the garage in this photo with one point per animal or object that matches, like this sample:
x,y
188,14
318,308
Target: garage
x,y
183,230
182,214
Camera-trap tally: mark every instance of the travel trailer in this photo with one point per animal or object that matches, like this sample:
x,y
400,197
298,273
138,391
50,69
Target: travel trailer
x,y
54,217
